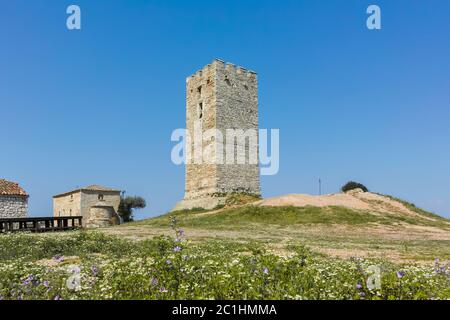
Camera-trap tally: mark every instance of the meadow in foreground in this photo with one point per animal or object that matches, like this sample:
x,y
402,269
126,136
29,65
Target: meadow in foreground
x,y
91,265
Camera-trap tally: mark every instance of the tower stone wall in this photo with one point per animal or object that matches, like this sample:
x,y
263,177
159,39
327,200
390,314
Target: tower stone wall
x,y
220,96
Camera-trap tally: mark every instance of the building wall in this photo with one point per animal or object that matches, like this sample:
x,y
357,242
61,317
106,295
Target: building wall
x,y
13,206
67,205
237,108
201,179
91,198
79,203
229,100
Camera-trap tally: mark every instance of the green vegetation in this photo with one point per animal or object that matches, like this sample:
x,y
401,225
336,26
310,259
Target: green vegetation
x,y
242,217
351,185
128,204
90,265
237,252
415,209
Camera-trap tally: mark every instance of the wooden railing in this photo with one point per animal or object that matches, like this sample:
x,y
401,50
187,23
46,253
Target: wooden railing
x,y
40,224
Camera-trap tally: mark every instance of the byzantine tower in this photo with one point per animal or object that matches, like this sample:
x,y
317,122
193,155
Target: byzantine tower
x,y
221,96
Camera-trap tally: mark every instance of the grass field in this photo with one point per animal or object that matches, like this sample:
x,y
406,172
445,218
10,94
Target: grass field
x,y
237,252
335,231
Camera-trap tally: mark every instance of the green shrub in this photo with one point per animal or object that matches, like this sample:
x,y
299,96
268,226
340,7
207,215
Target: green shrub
x,y
351,185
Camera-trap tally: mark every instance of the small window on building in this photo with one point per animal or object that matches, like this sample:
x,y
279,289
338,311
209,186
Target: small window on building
x,y
200,110
100,197
228,82
199,91
71,197
70,212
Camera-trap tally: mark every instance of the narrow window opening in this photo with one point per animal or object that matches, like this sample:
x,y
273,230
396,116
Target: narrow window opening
x,y
199,91
100,197
200,110
228,82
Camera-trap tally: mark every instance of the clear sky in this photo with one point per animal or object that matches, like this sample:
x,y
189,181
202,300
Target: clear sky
x,y
98,105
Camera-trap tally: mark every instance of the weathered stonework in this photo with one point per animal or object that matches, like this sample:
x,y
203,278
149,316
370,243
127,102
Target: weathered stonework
x,y
220,96
101,215
13,200
80,201
13,206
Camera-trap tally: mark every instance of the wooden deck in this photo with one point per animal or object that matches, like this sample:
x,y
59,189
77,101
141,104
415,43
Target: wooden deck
x,y
40,224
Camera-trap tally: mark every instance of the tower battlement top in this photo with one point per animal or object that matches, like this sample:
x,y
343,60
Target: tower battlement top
x,y
224,67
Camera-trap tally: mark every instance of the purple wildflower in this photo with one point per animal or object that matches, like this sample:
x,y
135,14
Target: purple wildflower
x,y
28,280
94,270
266,271
163,290
46,284
400,274
177,249
154,282
58,258
359,286
57,297
168,261
362,294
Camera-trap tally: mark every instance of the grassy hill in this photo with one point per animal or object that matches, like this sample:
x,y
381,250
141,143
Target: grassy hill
x,y
391,228
243,216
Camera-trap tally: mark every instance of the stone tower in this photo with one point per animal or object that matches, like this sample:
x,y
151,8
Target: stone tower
x,y
221,96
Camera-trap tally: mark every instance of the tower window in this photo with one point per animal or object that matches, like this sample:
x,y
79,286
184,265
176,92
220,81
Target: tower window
x,y
200,110
228,82
100,197
199,91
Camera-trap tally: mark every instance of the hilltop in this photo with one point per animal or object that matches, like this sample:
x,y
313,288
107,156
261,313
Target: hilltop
x,y
347,224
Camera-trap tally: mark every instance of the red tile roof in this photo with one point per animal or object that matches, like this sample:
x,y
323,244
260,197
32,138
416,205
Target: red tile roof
x,y
11,188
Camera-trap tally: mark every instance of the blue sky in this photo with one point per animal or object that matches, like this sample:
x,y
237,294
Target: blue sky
x,y
98,105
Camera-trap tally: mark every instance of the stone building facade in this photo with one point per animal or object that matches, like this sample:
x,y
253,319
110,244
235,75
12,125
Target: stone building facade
x,y
13,200
221,96
79,202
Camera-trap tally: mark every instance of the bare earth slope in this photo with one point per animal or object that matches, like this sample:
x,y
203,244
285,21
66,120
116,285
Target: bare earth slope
x,y
356,200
